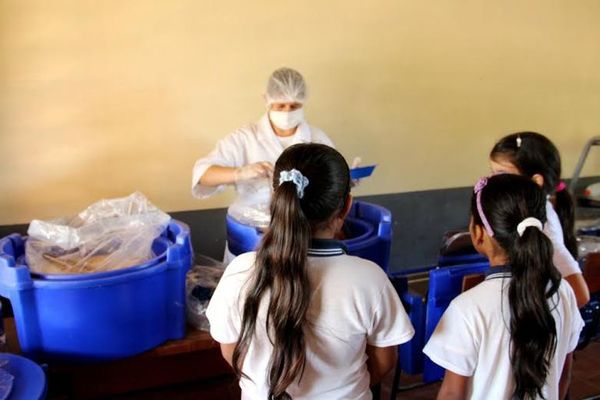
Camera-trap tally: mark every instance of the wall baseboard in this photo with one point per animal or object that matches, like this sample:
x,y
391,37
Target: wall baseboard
x,y
420,220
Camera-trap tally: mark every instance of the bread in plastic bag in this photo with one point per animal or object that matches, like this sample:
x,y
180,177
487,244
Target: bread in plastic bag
x,y
110,234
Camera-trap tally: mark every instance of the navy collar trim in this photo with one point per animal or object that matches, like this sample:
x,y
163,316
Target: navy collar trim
x,y
326,248
500,271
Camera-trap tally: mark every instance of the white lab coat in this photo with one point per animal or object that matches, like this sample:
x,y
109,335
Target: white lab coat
x,y
253,143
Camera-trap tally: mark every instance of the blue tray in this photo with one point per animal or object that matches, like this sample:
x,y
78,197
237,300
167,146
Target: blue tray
x,y
362,172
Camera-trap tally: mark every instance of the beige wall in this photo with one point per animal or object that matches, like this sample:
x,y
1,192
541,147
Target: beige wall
x,y
102,98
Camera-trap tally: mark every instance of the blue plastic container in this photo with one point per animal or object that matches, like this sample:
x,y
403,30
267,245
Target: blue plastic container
x,y
99,316
471,258
241,238
411,352
29,379
368,225
362,172
444,285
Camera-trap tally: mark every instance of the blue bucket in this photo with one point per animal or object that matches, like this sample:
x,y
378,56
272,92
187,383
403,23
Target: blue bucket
x,y
99,316
368,225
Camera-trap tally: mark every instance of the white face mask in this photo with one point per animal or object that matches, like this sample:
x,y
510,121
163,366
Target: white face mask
x,y
287,119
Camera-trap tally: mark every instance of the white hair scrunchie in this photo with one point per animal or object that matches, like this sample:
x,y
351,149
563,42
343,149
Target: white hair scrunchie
x,y
527,222
295,176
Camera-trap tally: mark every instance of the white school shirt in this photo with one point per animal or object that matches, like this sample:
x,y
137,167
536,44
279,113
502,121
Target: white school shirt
x,y
473,339
562,258
353,304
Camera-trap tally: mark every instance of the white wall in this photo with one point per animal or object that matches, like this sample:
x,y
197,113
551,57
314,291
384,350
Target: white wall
x,y
99,99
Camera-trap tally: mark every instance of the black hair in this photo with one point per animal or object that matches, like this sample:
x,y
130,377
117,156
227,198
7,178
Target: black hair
x,y
533,153
506,200
282,255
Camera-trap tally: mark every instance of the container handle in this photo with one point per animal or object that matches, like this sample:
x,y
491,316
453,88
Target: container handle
x,y
12,276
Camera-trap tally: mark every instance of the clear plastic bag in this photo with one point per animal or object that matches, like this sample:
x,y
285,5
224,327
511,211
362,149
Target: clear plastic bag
x,y
251,207
200,283
110,234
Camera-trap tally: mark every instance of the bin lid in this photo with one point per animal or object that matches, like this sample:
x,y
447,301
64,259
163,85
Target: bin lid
x,y
29,380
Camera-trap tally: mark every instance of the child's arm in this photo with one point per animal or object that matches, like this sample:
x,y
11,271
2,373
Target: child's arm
x,y
565,378
381,360
227,352
580,288
454,387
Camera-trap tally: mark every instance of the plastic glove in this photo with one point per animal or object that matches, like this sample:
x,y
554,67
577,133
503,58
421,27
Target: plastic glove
x,y
262,169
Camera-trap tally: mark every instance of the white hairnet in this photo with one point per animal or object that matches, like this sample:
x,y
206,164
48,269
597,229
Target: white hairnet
x,y
285,85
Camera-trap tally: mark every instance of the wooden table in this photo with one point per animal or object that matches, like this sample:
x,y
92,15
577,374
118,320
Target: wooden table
x,y
192,360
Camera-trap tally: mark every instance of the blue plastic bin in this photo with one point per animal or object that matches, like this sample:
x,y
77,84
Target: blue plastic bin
x,y
444,285
29,379
100,316
471,258
410,354
368,225
241,238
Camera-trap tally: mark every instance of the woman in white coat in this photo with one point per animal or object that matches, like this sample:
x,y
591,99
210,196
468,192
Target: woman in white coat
x,y
245,158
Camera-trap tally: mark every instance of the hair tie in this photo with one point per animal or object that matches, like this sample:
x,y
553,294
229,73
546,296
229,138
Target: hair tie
x,y
561,186
519,141
527,222
294,176
478,189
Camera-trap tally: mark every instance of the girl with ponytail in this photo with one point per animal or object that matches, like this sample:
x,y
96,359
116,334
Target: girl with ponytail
x,y
535,156
510,337
299,318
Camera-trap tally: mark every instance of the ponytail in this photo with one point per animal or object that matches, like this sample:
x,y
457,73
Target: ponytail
x,y
515,208
298,207
565,208
281,268
532,326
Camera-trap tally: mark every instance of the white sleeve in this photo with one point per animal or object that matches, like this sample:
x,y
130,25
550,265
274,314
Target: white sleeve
x,y
453,345
227,153
562,258
574,316
390,324
223,311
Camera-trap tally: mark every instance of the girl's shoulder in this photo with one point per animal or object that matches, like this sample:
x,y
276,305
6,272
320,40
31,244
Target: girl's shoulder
x,y
485,295
242,264
353,270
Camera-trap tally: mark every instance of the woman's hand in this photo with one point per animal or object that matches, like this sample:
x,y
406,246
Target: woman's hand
x,y
262,169
217,175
